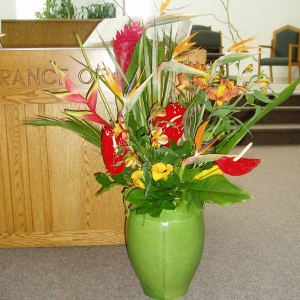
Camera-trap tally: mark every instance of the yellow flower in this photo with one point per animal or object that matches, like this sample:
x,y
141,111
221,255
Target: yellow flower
x,y
132,161
161,171
264,81
135,176
206,173
158,138
248,69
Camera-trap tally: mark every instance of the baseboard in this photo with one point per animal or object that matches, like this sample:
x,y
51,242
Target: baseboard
x,y
57,239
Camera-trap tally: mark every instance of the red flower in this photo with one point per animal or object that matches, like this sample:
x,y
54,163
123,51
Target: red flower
x,y
237,168
110,144
124,45
174,114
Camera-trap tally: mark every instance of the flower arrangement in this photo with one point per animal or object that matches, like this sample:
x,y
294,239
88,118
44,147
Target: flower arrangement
x,y
169,144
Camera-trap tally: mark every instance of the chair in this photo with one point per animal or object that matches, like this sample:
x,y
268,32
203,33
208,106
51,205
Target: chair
x,y
200,27
284,50
211,41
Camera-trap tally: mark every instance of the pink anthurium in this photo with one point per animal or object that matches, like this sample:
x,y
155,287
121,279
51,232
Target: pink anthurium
x,y
174,114
110,143
237,168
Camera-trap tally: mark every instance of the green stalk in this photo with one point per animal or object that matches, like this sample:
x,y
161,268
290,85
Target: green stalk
x,y
284,95
95,76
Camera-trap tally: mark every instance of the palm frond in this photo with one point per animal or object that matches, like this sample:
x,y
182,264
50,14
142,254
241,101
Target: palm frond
x,y
90,132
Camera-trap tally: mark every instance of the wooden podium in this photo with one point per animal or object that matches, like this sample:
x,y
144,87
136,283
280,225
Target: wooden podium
x,y
47,185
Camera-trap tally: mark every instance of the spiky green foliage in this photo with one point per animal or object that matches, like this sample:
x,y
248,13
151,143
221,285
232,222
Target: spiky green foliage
x,y
87,130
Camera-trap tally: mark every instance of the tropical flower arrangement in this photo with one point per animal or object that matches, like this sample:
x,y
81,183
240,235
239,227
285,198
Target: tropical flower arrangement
x,y
169,144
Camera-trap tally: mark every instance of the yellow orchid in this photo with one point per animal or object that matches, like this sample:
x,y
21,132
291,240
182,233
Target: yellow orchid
x,y
264,81
158,138
248,69
132,161
161,171
135,176
215,170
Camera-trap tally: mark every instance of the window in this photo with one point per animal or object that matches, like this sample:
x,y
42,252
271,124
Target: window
x,y
26,9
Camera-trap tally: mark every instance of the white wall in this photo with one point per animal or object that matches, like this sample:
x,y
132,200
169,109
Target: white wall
x,y
251,17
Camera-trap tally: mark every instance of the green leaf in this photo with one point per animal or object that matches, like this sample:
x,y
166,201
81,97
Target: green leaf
x,y
223,112
262,97
217,189
194,202
137,197
119,179
166,205
87,130
107,188
103,179
284,95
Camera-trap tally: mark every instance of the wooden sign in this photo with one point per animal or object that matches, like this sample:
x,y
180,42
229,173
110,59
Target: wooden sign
x,y
25,75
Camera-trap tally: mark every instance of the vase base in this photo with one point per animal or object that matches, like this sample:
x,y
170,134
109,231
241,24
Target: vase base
x,y
158,295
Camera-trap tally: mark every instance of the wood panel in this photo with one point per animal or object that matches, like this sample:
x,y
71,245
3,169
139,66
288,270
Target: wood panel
x,y
45,33
47,185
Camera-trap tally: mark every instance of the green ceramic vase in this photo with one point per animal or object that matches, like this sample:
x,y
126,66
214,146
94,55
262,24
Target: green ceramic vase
x,y
165,252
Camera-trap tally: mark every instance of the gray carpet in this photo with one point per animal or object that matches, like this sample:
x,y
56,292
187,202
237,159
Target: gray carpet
x,y
251,251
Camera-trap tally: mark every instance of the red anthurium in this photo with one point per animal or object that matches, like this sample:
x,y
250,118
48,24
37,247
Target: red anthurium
x,y
109,145
237,168
174,114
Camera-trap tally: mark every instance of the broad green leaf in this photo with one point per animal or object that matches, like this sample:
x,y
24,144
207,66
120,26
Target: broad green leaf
x,y
194,204
137,197
103,179
217,189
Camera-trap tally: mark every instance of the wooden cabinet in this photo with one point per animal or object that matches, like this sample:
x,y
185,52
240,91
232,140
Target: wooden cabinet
x,y
46,33
47,185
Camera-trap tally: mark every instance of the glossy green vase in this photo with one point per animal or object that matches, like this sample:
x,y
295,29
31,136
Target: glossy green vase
x,y
165,252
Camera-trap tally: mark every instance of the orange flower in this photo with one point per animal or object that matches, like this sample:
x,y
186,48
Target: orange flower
x,y
202,81
220,94
184,83
224,92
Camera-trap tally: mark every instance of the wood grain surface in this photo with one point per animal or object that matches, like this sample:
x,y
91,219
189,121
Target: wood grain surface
x,y
46,33
47,185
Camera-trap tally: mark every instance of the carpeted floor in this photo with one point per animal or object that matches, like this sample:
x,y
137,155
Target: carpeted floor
x,y
252,249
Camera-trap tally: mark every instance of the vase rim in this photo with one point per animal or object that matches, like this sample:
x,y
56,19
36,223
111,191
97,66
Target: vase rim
x,y
168,215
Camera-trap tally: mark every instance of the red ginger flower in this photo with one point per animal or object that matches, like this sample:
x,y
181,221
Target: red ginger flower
x,y
124,45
